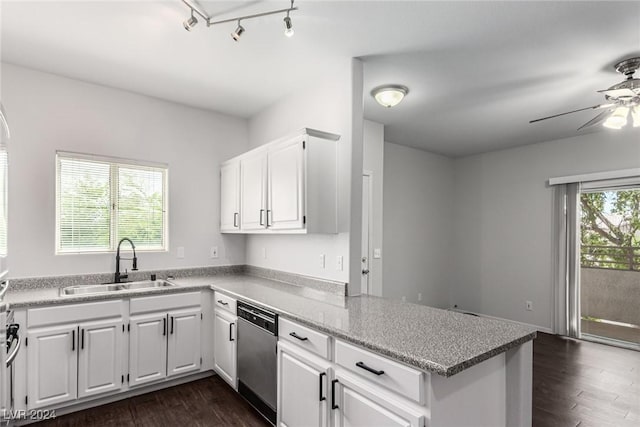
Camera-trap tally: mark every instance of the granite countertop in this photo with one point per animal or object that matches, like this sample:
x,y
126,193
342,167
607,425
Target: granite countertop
x,y
51,296
430,339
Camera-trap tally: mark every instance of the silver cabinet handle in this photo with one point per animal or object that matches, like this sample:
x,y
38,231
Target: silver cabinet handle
x,y
5,288
261,219
235,219
14,353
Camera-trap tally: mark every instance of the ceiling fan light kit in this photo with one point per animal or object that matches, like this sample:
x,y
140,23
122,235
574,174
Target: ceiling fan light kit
x,y
623,99
197,10
389,95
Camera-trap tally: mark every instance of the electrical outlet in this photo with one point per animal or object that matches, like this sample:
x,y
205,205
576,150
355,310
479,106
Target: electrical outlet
x,y
339,263
529,306
322,260
180,252
377,253
404,299
214,252
264,253
419,296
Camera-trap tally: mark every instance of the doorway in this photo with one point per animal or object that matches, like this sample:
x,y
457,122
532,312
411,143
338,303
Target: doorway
x,y
609,265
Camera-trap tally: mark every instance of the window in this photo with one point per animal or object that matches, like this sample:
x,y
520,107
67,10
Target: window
x,y
101,200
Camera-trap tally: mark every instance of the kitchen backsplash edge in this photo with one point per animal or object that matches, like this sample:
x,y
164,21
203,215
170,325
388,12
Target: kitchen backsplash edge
x,y
30,283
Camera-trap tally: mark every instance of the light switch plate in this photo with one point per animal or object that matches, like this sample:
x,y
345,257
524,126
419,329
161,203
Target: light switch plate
x,y
340,263
180,252
322,261
377,253
214,252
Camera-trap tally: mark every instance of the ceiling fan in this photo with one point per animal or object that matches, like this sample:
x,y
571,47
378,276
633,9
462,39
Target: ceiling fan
x,y
622,99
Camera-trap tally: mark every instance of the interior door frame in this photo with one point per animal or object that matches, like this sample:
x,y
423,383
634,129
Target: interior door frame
x,y
370,175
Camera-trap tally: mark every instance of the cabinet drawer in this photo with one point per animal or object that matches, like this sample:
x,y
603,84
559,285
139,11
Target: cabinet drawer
x,y
315,342
402,379
221,301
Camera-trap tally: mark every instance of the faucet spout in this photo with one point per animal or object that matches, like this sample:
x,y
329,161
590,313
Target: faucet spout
x,y
118,277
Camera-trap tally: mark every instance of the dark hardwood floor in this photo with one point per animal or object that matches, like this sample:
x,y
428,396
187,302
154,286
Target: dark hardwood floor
x,y
579,383
575,383
207,402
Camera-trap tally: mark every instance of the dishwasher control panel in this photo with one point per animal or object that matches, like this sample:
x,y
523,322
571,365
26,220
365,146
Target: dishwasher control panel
x,y
258,316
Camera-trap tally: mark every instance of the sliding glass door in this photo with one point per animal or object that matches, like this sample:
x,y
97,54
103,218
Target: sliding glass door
x,y
608,274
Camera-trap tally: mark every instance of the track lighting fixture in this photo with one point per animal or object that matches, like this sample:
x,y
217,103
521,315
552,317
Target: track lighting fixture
x,y
238,32
191,22
196,9
288,26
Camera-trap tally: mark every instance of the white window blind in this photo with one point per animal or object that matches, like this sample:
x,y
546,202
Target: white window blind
x,y
100,201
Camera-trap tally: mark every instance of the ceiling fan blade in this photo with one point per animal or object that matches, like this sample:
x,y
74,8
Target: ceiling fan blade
x,y
618,93
595,107
596,120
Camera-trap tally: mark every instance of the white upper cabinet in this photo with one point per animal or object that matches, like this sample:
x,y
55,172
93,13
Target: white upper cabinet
x,y
230,196
287,186
285,209
253,191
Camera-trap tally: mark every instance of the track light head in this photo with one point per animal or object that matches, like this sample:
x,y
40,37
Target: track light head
x,y
238,32
288,26
191,22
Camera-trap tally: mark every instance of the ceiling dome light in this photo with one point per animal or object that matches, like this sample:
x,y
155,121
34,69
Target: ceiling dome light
x,y
617,119
190,23
238,32
389,95
288,26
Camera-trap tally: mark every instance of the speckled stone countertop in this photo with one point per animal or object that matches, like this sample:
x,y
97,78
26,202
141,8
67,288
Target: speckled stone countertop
x,y
430,339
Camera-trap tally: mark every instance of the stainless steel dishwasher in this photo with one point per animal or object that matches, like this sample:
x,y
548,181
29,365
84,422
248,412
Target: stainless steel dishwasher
x,y
257,358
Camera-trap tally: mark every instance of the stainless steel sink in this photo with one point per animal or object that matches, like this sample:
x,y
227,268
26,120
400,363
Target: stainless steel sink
x,y
114,287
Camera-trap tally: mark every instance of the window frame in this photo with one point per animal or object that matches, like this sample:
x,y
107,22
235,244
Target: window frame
x,y
114,164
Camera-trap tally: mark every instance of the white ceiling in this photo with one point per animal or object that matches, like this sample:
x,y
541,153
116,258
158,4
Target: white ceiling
x,y
477,71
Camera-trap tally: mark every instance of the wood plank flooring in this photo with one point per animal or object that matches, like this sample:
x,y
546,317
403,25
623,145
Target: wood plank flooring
x,y
575,383
206,402
579,383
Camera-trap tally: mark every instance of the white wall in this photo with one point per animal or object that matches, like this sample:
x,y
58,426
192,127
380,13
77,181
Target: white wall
x,y
326,106
373,162
503,218
418,202
49,113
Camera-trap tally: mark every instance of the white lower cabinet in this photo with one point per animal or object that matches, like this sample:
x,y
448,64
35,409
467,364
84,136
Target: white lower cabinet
x,y
100,357
359,403
147,348
225,346
183,345
303,395
73,361
164,344
52,363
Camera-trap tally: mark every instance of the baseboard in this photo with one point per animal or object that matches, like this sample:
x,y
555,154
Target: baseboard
x,y
528,325
120,396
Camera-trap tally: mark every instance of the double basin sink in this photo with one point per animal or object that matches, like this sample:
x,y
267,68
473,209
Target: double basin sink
x,y
114,287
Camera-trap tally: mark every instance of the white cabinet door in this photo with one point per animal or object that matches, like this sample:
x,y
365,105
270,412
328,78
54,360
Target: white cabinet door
x,y
302,388
183,345
360,403
100,357
253,184
285,167
147,348
225,346
52,365
230,197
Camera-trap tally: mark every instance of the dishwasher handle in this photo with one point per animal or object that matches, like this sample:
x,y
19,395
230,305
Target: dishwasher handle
x,y
231,332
